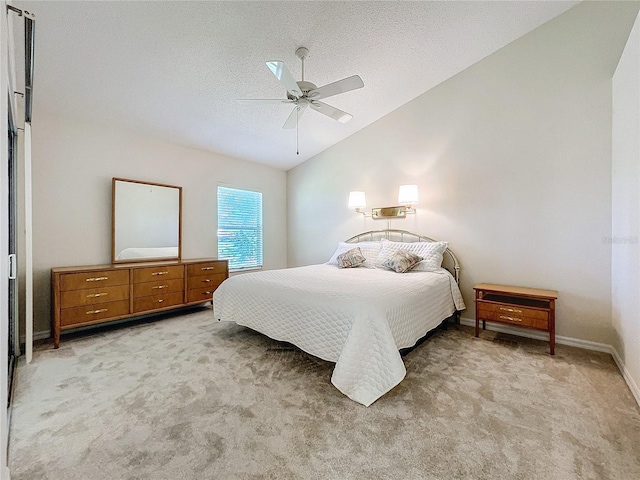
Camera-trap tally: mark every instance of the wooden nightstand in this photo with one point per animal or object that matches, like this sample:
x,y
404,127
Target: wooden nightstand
x,y
518,306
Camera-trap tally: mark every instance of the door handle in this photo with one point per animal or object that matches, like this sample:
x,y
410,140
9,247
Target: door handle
x,y
13,267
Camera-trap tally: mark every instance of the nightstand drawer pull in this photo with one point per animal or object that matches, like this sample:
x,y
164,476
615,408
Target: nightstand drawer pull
x,y
159,287
160,301
208,268
513,319
96,279
207,293
206,281
510,310
159,273
96,295
93,312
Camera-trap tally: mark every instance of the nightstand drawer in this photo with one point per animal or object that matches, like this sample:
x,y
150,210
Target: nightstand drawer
x,y
518,316
488,309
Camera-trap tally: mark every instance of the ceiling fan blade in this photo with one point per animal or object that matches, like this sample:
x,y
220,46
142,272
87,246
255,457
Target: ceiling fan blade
x,y
282,73
333,112
257,101
335,88
294,118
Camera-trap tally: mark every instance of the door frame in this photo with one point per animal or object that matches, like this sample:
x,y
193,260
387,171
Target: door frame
x,y
5,103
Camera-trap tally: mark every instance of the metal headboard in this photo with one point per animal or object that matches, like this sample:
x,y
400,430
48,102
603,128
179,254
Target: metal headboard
x,y
450,261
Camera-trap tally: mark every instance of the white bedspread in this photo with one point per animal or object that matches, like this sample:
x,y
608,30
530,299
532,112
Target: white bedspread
x,y
355,317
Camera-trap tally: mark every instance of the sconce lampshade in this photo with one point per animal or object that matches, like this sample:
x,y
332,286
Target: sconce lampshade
x,y
408,195
357,200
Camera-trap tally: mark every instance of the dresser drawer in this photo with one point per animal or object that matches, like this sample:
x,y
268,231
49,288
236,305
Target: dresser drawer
x,y
157,288
198,269
91,313
77,281
90,296
513,314
155,302
201,294
212,281
152,274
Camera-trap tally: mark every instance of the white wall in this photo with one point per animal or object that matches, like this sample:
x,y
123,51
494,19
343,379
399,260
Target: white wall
x,y
513,161
73,164
625,210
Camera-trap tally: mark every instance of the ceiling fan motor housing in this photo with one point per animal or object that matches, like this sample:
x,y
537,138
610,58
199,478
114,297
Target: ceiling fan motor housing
x,y
305,87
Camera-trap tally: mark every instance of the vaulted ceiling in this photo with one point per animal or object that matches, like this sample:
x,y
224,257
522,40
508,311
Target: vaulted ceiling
x,y
173,70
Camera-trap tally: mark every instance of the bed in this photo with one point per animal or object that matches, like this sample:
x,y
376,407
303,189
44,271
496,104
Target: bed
x,y
358,318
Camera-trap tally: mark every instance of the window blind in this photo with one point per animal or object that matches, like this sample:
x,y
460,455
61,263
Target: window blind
x,y
240,228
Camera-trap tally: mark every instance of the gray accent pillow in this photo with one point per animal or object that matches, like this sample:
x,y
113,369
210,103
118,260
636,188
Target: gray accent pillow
x,y
369,250
351,258
402,261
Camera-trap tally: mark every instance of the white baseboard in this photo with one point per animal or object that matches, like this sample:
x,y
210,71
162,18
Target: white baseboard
x,y
538,335
633,386
569,341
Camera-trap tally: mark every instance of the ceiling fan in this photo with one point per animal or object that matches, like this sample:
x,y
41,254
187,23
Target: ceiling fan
x,y
305,94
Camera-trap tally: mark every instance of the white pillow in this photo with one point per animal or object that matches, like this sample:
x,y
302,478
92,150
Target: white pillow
x,y
431,253
369,251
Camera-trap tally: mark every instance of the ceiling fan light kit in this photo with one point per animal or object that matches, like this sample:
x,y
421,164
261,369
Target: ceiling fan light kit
x,y
305,94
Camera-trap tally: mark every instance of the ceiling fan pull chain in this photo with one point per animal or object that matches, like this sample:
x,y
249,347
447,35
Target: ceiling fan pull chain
x,y
297,110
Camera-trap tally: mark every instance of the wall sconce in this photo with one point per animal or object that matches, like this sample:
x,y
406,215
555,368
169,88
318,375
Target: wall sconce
x,y
407,196
357,200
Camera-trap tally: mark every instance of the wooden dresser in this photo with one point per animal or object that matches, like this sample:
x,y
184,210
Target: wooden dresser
x,y
96,294
517,306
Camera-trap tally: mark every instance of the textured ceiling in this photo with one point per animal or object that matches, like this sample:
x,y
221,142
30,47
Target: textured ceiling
x,y
173,70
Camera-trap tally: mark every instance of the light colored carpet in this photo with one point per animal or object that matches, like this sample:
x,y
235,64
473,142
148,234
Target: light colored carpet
x,y
190,398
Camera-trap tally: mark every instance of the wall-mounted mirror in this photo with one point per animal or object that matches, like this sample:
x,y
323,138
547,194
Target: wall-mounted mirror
x,y
146,221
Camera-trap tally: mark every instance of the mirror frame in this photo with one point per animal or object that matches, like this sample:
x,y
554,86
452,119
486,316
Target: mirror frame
x,y
113,222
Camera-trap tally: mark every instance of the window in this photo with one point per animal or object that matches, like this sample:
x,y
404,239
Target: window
x,y
240,228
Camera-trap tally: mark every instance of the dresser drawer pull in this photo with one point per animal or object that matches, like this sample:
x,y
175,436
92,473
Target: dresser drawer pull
x,y
160,301
93,312
96,279
510,310
206,281
160,273
159,287
513,319
208,268
96,295
207,293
